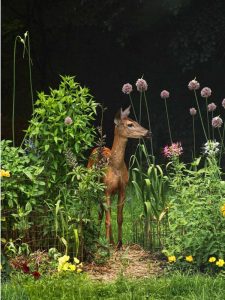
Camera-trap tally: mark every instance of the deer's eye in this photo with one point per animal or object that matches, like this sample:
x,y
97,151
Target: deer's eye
x,y
130,125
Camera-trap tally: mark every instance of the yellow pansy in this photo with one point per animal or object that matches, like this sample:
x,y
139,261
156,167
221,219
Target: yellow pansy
x,y
66,266
220,263
63,259
4,173
189,258
171,259
212,259
222,209
76,260
79,270
72,267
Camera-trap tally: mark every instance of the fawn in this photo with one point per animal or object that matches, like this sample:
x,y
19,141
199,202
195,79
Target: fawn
x,y
116,175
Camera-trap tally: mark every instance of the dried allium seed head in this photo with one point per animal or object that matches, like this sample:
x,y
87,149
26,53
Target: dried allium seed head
x,y
141,85
68,121
206,92
127,88
193,111
164,94
193,85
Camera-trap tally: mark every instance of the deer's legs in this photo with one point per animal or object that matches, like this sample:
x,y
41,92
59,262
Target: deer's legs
x,y
120,206
108,224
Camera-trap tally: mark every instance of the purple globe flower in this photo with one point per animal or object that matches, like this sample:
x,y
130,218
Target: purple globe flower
x,y
217,122
193,85
206,92
193,111
141,85
212,106
164,94
68,121
127,88
223,103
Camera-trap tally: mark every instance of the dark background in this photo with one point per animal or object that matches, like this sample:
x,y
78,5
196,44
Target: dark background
x,y
109,43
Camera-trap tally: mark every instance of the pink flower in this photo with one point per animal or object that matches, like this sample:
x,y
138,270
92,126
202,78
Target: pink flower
x,y
193,85
193,111
206,92
212,106
164,94
174,150
141,85
217,122
223,103
127,88
68,121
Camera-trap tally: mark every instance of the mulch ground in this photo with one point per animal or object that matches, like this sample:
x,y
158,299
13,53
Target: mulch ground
x,y
132,262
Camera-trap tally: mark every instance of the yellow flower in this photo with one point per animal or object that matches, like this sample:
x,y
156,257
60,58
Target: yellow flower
x,y
76,260
222,209
65,267
212,259
7,174
80,265
79,270
72,267
189,258
4,173
220,262
172,259
63,259
0,267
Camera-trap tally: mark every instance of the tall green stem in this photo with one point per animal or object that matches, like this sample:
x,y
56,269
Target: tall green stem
x,y
167,115
149,122
131,102
207,112
212,129
200,115
222,142
30,76
193,127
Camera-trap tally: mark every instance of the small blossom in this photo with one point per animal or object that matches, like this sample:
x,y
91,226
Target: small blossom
x,y
174,150
141,85
206,92
25,268
164,94
193,111
211,107
172,259
36,274
217,122
211,148
220,263
212,259
68,121
127,88
79,270
76,260
222,209
223,103
4,173
189,258
193,85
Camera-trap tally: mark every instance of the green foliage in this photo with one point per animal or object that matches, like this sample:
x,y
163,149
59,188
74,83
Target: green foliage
x,y
196,223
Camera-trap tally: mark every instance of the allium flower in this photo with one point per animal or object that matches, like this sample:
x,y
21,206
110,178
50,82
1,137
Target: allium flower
x,y
212,106
141,85
189,258
223,103
220,263
68,121
193,85
212,259
217,122
174,150
171,259
206,92
222,209
127,88
193,111
164,94
211,148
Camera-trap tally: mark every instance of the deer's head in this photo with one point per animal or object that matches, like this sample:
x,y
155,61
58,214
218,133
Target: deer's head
x,y
127,127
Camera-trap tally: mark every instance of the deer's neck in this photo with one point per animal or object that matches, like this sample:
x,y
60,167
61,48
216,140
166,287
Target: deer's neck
x,y
118,151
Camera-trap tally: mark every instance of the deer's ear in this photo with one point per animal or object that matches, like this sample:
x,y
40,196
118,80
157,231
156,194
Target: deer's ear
x,y
118,116
125,113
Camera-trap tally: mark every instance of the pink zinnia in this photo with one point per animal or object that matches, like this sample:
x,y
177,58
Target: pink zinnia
x,y
211,107
193,85
223,103
217,122
206,92
193,111
141,85
164,94
174,150
68,121
127,88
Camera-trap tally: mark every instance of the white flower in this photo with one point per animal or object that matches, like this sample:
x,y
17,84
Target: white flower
x,y
211,148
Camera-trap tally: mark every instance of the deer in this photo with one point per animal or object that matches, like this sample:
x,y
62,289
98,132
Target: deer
x,y
116,176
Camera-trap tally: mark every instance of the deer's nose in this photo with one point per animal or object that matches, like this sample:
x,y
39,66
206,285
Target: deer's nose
x,y
148,134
